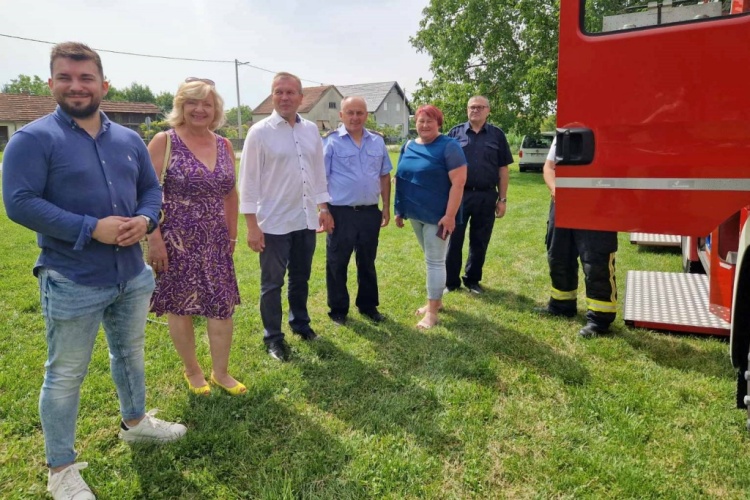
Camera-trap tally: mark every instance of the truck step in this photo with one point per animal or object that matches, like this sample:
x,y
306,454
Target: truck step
x,y
655,240
675,302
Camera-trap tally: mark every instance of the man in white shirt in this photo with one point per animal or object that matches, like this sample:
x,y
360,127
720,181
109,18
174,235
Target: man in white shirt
x,y
284,197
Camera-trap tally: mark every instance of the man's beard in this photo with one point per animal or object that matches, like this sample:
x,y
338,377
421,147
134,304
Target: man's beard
x,y
80,112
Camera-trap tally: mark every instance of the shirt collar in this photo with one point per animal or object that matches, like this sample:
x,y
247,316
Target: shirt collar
x,y
467,127
342,132
65,117
277,118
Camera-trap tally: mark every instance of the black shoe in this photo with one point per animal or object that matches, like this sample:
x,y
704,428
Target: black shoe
x,y
475,288
374,315
549,312
592,330
339,319
451,288
307,334
278,350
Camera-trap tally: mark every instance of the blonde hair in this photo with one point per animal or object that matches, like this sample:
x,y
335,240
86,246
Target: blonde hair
x,y
197,90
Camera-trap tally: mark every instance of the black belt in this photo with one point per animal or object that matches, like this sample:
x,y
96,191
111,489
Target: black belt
x,y
357,208
466,188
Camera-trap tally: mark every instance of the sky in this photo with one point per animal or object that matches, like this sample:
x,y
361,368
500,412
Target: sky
x,y
331,42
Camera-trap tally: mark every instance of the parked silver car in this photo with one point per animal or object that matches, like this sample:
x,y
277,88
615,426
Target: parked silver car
x,y
533,152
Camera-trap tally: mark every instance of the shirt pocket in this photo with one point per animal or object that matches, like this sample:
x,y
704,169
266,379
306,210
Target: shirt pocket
x,y
374,162
492,154
347,159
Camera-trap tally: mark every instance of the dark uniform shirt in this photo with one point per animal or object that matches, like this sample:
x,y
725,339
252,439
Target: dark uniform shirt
x,y
485,153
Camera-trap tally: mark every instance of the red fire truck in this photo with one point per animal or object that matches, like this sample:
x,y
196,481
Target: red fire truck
x,y
654,137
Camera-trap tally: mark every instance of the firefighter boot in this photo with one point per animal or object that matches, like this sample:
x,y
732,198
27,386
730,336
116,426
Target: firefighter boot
x,y
592,330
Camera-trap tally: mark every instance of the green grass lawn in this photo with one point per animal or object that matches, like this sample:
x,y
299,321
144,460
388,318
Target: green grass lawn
x,y
496,402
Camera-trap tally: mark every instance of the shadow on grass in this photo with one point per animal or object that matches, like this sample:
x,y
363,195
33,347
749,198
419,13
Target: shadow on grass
x,y
375,399
245,447
487,335
498,296
659,250
673,351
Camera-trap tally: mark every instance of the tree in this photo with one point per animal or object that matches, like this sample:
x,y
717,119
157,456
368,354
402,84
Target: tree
x,y
245,112
164,100
115,94
503,49
148,132
138,93
390,133
25,84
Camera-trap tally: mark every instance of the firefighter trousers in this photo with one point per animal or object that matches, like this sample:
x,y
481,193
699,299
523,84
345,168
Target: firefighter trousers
x,y
596,250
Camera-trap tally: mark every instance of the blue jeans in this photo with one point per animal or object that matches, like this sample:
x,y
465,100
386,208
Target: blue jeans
x,y
72,314
434,249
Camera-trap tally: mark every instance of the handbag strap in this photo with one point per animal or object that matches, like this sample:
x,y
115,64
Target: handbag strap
x,y
167,158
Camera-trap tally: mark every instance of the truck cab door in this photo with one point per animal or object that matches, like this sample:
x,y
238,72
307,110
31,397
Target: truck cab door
x,y
653,116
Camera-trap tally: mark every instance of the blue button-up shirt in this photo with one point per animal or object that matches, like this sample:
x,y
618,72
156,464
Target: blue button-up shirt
x,y
59,181
354,172
486,152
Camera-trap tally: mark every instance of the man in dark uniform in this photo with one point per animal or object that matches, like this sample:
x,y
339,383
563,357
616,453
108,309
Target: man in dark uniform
x,y
596,250
488,156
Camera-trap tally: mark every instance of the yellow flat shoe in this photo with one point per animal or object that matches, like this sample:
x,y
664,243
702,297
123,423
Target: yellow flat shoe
x,y
203,390
237,390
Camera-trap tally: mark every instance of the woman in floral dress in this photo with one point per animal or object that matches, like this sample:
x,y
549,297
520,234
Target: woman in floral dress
x,y
191,250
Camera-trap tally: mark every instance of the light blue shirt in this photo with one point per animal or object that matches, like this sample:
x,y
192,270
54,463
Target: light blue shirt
x,y
354,172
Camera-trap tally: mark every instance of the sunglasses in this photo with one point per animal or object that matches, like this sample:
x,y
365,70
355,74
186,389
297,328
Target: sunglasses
x,y
191,79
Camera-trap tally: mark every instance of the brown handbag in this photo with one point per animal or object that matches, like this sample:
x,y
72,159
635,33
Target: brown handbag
x,y
164,166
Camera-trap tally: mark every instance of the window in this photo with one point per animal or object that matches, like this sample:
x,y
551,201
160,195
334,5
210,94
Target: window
x,y
385,106
398,106
331,105
614,15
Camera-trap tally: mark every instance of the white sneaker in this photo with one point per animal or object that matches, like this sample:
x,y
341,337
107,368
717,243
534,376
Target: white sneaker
x,y
154,430
68,484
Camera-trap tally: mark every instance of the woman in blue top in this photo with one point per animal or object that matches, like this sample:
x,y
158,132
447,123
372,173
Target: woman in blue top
x,y
429,186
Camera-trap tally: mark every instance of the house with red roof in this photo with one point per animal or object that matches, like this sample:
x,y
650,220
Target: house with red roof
x,y
16,110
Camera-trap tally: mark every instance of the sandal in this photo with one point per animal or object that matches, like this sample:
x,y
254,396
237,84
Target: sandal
x,y
203,390
236,390
424,309
425,324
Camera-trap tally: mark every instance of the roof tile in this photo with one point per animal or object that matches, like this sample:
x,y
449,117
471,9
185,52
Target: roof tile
x,y
27,108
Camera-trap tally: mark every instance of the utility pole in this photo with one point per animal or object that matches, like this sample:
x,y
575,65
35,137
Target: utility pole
x,y
237,64
406,108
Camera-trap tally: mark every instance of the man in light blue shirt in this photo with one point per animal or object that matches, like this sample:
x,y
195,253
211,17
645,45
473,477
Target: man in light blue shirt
x,y
358,172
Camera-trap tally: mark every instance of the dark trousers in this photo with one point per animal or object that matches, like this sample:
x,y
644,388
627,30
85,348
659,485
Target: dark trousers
x,y
294,252
479,208
596,249
356,230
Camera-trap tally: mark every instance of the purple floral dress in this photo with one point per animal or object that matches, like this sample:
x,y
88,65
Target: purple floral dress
x,y
201,279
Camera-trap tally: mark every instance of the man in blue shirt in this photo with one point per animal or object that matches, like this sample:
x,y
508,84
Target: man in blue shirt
x,y
488,156
358,172
87,187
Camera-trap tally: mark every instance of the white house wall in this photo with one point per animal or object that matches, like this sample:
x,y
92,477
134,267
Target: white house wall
x,y
393,112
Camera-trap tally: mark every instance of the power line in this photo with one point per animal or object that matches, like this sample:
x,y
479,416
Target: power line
x,y
152,56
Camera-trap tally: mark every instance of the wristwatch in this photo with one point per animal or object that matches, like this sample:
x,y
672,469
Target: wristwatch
x,y
503,200
150,226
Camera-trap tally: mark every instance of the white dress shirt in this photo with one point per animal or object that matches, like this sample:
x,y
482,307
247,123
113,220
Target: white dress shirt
x,y
282,175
